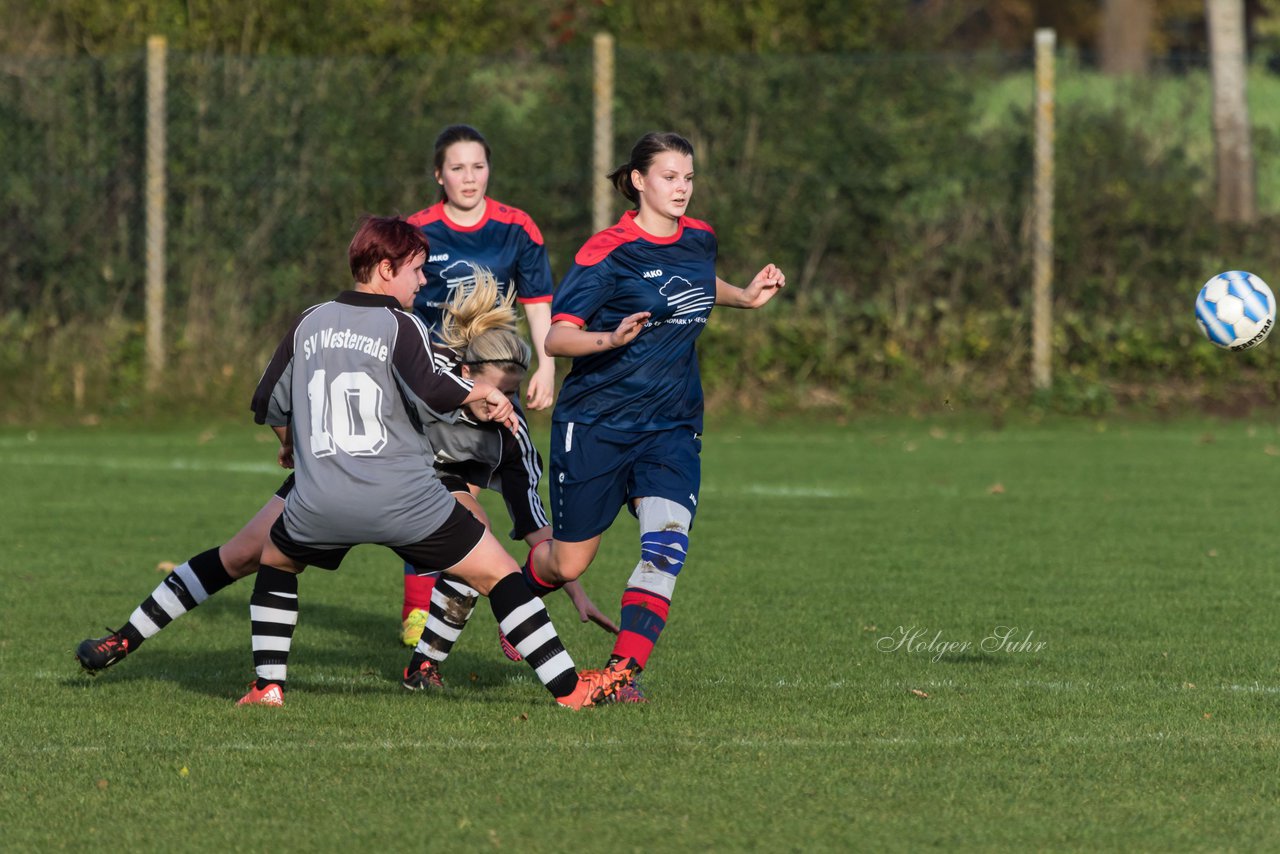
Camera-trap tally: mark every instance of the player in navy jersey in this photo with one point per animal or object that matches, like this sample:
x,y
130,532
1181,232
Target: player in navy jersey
x,y
626,430
468,231
361,475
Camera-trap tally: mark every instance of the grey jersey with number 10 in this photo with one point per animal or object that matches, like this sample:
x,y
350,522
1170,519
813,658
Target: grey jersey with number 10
x,y
355,381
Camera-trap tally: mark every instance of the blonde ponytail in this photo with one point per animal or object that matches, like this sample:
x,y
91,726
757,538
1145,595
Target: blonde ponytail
x,y
482,327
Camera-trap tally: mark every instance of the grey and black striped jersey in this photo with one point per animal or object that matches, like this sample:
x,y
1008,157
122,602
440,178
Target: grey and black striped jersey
x,y
463,439
356,383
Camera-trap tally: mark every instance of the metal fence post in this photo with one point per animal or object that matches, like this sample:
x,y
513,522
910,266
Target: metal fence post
x,y
602,191
1042,242
157,49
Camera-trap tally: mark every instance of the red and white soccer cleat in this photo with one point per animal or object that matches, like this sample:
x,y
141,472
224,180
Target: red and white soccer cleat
x,y
272,695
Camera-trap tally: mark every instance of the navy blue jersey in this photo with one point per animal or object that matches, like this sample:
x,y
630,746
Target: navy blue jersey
x,y
653,382
505,240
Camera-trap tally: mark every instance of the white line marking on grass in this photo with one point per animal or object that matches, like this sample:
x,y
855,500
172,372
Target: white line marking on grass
x,y
1255,688
521,678
1033,684
139,463
700,743
770,490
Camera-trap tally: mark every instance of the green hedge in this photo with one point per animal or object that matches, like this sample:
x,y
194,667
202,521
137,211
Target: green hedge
x,y
893,190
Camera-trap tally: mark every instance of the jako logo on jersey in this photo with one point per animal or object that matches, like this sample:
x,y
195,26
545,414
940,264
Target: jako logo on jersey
x,y
651,274
435,259
684,297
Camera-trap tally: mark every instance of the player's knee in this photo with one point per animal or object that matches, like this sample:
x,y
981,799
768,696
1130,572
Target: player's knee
x,y
562,569
486,565
239,561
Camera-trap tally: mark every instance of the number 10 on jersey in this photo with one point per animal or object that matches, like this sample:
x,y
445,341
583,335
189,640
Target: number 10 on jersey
x,y
346,415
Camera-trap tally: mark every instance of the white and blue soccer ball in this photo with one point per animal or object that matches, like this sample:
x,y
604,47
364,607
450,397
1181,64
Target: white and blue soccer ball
x,y
1236,310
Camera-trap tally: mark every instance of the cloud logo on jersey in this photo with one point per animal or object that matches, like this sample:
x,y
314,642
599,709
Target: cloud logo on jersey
x,y
684,297
459,274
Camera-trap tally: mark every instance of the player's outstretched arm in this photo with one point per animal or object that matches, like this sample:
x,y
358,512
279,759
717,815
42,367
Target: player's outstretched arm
x,y
569,339
766,283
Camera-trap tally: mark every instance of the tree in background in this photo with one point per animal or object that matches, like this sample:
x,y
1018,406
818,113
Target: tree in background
x,y
1231,139
1124,33
1124,37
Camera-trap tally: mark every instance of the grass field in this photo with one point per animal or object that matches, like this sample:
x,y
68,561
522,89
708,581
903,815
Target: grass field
x,y
812,690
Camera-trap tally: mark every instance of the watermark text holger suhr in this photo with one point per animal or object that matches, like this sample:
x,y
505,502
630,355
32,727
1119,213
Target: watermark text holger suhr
x,y
919,640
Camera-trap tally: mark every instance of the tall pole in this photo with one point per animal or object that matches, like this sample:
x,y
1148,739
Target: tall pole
x,y
602,160
1231,142
1042,249
157,49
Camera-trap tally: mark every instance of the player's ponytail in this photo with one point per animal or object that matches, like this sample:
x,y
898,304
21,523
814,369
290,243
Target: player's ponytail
x,y
482,326
643,153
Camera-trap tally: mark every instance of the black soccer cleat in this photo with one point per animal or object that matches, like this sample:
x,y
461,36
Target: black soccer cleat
x,y
425,678
95,654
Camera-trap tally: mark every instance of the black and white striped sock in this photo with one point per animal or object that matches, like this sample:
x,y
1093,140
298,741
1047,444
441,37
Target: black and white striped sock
x,y
525,621
452,603
186,587
273,613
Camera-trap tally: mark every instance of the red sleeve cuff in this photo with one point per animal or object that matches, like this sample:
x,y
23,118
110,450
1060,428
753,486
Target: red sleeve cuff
x,y
569,318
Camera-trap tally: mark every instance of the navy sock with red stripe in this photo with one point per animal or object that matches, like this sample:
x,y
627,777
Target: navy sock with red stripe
x,y
644,616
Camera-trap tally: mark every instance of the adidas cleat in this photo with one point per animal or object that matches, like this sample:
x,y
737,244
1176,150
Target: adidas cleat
x,y
593,689
272,695
626,675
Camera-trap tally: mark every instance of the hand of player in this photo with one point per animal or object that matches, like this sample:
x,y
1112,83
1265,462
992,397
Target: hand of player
x,y
542,386
285,456
628,329
766,283
587,609
498,407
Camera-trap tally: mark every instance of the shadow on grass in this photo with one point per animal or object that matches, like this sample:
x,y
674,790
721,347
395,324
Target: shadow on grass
x,y
336,650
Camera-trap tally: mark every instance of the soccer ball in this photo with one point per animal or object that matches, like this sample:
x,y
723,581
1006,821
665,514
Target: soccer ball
x,y
1236,310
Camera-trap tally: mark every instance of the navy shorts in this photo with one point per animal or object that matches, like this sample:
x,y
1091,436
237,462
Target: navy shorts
x,y
597,470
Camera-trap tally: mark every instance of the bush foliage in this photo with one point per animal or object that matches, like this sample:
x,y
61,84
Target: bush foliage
x,y
894,191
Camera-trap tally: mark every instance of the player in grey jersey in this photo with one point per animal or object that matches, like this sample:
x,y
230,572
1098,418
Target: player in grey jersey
x,y
470,454
349,392
481,342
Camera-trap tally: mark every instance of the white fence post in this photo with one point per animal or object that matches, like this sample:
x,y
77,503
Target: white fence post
x,y
157,49
1042,242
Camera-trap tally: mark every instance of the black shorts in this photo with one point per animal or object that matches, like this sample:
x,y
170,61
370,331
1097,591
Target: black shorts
x,y
447,545
460,477
515,479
